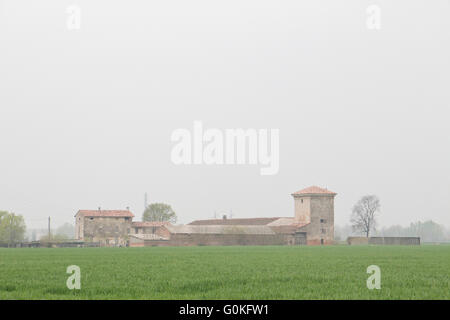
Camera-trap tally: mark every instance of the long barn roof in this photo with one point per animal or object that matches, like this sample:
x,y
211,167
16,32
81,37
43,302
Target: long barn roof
x,y
241,221
217,229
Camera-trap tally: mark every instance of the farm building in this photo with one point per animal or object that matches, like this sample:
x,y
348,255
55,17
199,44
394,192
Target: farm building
x,y
194,235
148,227
312,223
107,227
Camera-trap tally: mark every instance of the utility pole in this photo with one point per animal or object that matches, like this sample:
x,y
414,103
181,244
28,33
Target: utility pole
x,y
10,230
145,201
49,229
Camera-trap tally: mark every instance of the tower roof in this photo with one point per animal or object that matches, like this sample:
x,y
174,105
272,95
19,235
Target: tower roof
x,y
314,190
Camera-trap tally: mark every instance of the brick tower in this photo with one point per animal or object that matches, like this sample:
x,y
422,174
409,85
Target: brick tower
x,y
314,208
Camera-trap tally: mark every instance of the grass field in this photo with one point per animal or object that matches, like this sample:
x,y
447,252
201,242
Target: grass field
x,y
281,272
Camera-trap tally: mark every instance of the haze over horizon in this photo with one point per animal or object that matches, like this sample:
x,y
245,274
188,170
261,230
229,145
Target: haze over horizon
x,y
87,115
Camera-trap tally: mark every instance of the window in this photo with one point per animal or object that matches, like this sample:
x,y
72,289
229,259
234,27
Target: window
x,y
323,230
323,221
301,200
91,218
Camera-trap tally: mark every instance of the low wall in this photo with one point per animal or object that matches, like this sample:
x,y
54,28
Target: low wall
x,y
228,240
52,244
357,240
318,242
406,241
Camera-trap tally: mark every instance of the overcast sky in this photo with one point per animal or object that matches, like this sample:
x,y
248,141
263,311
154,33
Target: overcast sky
x,y
86,115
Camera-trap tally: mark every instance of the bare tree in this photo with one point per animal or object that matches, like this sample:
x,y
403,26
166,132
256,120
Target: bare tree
x,y
363,217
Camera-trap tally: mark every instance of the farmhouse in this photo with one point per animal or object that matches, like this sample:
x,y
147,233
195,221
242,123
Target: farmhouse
x,y
107,227
312,223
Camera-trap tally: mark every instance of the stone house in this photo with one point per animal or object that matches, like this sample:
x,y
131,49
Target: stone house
x,y
107,227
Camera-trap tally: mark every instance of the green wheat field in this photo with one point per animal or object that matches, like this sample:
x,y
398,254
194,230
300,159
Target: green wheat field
x,y
253,272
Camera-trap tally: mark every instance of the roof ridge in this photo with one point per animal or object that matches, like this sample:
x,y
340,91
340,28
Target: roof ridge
x,y
315,190
105,213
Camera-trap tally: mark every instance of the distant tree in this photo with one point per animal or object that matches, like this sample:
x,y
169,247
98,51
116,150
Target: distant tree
x,y
342,232
12,228
159,212
67,230
428,231
363,218
54,238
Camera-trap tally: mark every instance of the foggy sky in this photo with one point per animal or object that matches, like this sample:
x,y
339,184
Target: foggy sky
x,y
86,115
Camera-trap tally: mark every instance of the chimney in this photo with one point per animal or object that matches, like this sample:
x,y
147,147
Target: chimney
x,y
99,208
128,208
224,217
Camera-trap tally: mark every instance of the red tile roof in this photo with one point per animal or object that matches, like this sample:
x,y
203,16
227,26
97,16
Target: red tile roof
x,y
314,190
105,213
149,223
